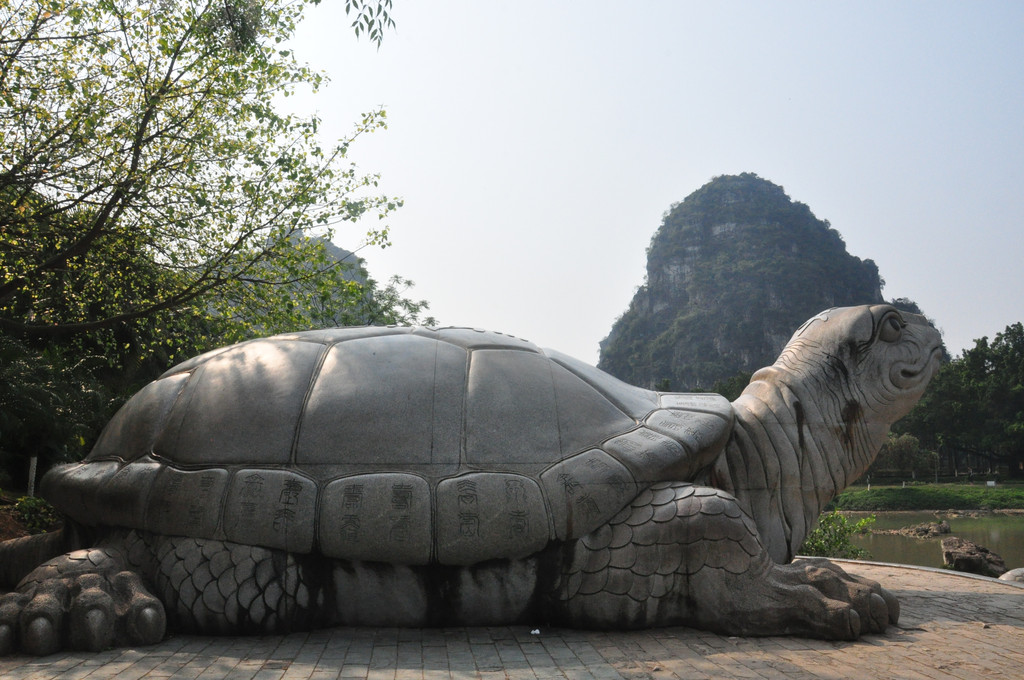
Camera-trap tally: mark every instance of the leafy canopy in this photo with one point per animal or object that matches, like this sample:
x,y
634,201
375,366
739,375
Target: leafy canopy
x,y
145,170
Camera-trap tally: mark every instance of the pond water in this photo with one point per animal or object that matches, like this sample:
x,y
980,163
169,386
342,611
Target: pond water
x,y
1001,533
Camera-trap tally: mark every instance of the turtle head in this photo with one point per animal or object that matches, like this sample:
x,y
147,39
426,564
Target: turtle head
x,y
864,367
882,356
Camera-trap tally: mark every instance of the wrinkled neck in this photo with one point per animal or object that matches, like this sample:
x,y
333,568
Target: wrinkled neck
x,y
795,445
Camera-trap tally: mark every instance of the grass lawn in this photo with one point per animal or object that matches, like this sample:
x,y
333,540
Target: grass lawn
x,y
932,497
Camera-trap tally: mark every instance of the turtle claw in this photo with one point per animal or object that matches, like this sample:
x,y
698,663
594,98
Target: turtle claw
x,y
84,602
11,605
41,620
143,619
40,637
879,613
91,615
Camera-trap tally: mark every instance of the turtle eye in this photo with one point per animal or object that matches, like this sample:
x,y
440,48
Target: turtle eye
x,y
892,329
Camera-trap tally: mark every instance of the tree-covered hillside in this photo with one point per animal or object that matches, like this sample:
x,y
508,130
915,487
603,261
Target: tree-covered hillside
x,y
733,270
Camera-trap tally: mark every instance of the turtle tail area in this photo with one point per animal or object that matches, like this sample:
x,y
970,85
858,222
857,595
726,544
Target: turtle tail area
x,y
19,556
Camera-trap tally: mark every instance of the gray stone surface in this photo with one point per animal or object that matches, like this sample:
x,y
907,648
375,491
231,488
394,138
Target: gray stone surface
x,y
497,412
442,476
133,430
186,502
378,399
275,508
125,496
633,401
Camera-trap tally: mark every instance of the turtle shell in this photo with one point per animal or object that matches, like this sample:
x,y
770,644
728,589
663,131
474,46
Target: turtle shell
x,y
391,444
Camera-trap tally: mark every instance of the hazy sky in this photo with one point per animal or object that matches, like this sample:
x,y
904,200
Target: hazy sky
x,y
538,144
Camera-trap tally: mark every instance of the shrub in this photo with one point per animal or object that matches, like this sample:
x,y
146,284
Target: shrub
x,y
36,514
831,538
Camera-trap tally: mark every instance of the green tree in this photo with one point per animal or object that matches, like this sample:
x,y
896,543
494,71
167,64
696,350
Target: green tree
x,y
50,406
732,388
901,455
975,405
144,166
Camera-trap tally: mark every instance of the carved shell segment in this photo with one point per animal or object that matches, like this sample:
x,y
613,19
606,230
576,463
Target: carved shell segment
x,y
485,515
584,491
364,517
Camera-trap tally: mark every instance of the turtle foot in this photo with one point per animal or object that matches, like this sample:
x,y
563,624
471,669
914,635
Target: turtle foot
x,y
810,597
876,607
83,600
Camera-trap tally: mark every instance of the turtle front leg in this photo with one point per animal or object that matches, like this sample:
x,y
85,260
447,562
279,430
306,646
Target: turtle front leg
x,y
682,554
86,599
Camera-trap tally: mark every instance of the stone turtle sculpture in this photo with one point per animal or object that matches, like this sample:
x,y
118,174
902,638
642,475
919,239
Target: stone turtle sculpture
x,y
415,476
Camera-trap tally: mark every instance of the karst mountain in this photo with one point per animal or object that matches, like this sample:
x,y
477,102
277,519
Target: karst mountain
x,y
732,271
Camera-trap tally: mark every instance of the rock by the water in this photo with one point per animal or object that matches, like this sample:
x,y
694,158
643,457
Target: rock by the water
x,y
925,530
1014,575
963,555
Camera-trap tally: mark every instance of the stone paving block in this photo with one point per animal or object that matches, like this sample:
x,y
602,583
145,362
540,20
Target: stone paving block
x,y
436,674
486,658
77,672
605,673
552,674
324,675
138,670
269,672
355,655
193,671
381,674
324,665
208,668
539,664
299,672
577,674
308,656
403,673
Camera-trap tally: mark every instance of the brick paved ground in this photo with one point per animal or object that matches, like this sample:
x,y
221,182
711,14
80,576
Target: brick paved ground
x,y
951,627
